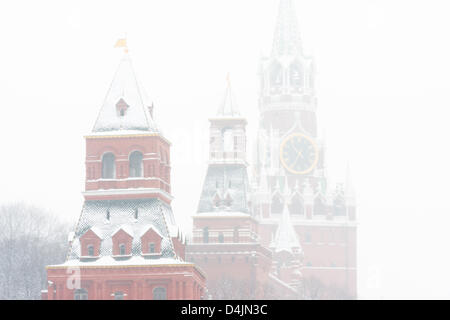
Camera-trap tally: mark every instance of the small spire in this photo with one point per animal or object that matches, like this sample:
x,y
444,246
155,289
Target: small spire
x,y
286,237
228,108
349,189
263,178
287,37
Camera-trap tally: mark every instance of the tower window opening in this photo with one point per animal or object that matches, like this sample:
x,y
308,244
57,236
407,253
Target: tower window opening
x,y
81,294
136,158
205,235
90,250
159,294
339,206
108,166
236,235
108,215
118,295
227,138
296,206
136,213
319,206
277,206
151,247
122,250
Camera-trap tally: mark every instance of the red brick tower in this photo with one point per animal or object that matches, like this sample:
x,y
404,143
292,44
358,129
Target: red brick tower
x,y
126,244
225,237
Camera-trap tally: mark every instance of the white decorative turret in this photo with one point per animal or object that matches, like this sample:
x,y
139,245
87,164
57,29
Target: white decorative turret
x,y
227,132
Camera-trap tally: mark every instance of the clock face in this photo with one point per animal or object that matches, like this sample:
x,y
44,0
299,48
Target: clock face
x,y
299,154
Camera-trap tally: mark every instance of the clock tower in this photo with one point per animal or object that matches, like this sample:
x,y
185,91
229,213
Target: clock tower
x,y
289,158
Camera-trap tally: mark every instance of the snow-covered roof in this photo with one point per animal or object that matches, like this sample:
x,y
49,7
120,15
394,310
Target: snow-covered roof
x,y
234,214
125,89
97,231
110,261
125,228
153,213
146,228
222,180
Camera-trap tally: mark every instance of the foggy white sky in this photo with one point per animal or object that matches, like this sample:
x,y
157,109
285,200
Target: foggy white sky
x,y
383,88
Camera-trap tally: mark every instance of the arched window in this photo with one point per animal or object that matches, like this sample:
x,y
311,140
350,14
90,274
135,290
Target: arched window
x,y
296,77
276,78
118,295
339,206
319,206
296,206
80,294
159,294
151,247
108,166
228,141
205,235
122,250
277,206
136,164
90,250
221,237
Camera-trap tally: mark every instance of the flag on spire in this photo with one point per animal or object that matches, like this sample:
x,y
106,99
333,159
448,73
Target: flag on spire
x,y
122,43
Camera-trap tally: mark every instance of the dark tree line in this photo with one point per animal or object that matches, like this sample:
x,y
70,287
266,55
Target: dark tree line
x,y
30,239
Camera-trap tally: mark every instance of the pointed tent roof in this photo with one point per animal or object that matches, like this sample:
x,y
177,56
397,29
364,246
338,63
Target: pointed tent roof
x,y
229,107
125,89
287,36
286,237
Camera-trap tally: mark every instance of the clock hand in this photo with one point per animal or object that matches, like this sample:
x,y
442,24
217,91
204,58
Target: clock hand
x,y
296,159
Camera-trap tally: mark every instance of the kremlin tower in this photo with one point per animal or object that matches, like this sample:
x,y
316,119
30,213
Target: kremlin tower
x,y
126,244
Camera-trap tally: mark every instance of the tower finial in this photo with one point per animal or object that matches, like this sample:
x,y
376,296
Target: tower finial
x,y
228,108
122,43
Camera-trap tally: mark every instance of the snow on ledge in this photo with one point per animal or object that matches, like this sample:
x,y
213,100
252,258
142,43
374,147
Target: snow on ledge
x,y
111,262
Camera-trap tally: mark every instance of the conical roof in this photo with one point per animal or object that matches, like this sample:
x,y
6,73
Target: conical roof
x,y
228,107
125,92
